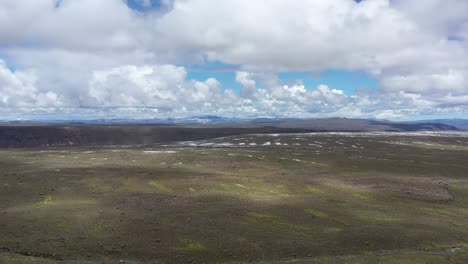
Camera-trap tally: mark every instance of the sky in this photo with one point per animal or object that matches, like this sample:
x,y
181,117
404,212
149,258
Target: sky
x,y
85,59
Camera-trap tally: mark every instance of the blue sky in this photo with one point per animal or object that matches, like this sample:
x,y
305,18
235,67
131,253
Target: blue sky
x,y
137,5
346,81
7,60
224,73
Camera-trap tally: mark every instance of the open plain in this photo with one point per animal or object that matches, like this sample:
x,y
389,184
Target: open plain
x,y
267,198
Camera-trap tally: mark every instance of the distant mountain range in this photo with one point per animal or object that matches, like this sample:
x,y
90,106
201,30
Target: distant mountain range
x,y
341,124
317,124
208,119
456,122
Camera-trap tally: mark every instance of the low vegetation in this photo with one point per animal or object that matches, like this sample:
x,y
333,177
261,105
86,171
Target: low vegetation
x,y
385,200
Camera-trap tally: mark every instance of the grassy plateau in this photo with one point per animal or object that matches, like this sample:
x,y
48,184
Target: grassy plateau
x,y
293,198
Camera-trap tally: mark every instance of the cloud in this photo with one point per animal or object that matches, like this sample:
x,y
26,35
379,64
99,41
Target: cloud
x,y
162,87
167,89
73,25
17,89
452,81
248,84
91,54
406,44
298,35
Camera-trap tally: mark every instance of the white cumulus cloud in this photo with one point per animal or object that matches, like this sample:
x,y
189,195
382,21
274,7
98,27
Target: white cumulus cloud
x,y
88,54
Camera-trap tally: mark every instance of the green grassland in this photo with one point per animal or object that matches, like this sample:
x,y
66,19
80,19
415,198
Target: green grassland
x,y
380,203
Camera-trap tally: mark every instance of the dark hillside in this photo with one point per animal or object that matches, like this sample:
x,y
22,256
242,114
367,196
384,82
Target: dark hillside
x,y
86,135
49,135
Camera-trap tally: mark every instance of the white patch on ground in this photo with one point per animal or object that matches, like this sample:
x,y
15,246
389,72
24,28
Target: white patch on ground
x,y
380,134
98,158
267,143
241,186
159,152
241,144
425,143
224,144
298,160
394,143
252,144
278,143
